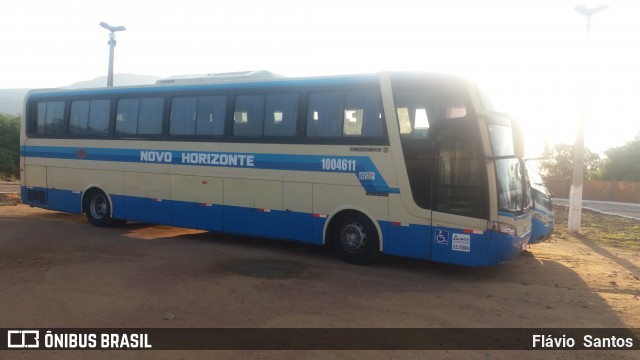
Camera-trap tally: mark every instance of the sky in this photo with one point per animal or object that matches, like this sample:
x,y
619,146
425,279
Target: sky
x,y
531,56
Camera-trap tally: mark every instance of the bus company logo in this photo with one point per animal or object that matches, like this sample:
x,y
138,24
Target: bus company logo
x,y
23,339
442,237
368,176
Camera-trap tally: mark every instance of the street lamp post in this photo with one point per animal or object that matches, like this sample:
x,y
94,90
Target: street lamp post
x,y
112,44
575,195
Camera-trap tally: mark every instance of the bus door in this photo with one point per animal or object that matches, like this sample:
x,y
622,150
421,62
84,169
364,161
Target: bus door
x,y
458,192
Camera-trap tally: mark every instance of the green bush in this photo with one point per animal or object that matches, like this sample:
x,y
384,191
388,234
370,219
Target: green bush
x,y
9,146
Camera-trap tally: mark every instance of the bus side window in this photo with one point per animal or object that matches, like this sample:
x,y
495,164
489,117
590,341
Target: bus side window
x,y
99,114
139,116
211,115
362,115
127,116
79,118
47,118
325,114
281,115
248,115
339,114
89,117
182,118
150,117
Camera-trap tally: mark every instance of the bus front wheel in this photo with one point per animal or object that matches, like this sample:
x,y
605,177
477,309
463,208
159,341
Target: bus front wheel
x,y
98,209
355,239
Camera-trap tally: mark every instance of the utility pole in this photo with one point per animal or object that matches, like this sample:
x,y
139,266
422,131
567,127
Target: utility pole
x,y
112,45
575,195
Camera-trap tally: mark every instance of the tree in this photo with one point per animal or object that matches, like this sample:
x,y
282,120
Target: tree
x,y
9,145
623,162
561,164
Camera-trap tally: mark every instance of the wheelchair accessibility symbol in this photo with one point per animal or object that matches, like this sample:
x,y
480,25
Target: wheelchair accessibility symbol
x,y
442,237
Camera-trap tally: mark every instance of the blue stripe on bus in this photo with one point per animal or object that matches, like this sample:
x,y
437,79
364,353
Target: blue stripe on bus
x,y
403,239
362,167
269,223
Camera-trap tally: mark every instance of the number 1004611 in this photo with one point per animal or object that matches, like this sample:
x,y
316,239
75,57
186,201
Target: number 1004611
x,y
337,164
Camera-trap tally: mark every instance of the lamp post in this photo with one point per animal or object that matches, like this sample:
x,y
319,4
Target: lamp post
x,y
112,44
575,195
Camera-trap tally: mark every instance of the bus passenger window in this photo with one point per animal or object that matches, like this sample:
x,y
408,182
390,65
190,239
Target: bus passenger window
x,y
211,115
182,119
353,122
47,118
99,113
79,117
150,117
248,115
344,114
325,114
89,117
139,116
362,116
127,116
281,115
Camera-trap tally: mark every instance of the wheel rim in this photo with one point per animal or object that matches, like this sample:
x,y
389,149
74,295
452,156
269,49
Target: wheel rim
x,y
353,237
98,206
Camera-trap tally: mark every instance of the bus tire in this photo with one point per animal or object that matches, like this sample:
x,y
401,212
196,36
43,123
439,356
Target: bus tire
x,y
355,239
98,209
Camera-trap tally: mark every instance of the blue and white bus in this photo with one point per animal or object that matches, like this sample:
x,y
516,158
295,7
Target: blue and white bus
x,y
408,164
542,221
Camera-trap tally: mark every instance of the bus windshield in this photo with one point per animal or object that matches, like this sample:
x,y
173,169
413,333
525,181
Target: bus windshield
x,y
513,188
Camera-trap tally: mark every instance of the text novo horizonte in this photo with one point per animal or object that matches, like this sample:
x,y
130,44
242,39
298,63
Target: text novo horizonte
x,y
198,158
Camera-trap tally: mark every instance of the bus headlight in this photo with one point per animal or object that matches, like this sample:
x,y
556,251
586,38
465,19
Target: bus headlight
x,y
504,228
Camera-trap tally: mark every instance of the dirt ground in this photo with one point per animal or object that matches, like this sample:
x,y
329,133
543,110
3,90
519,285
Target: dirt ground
x,y
58,271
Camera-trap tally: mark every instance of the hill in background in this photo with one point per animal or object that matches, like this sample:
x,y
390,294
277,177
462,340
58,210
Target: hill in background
x,y
118,80
11,100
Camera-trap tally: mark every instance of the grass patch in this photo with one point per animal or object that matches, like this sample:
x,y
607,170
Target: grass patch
x,y
610,230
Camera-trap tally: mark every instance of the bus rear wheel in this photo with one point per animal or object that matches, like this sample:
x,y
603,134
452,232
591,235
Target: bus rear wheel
x,y
98,209
355,239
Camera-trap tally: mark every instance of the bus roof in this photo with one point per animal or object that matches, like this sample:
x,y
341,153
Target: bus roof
x,y
220,77
239,80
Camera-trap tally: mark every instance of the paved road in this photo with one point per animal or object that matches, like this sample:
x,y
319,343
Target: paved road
x,y
607,207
